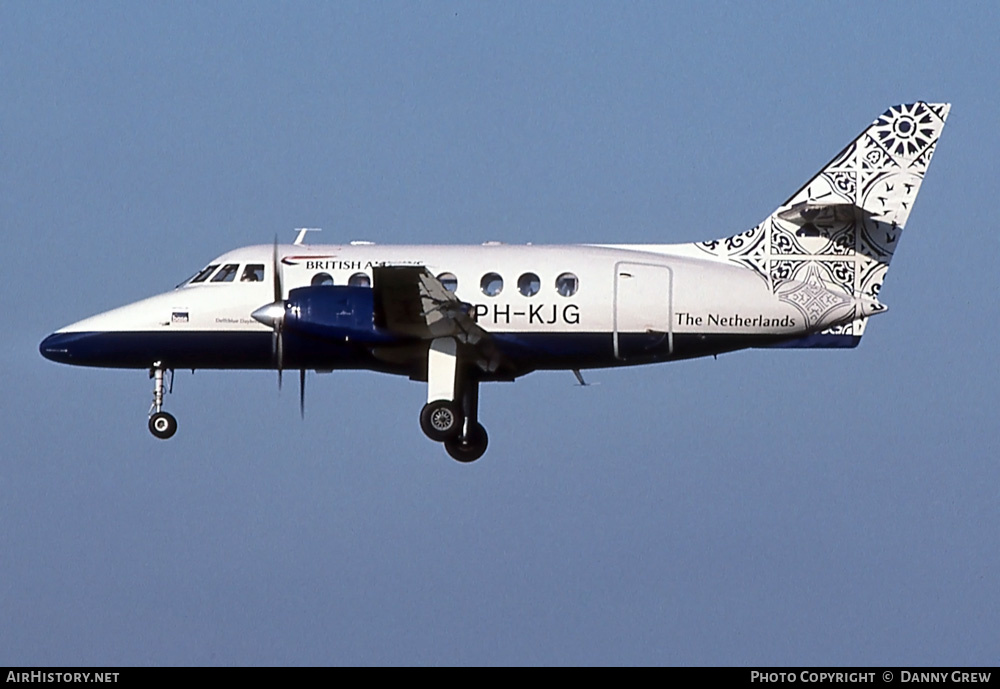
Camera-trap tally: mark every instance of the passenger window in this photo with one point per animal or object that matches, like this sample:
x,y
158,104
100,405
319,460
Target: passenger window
x,y
203,275
359,280
227,273
254,272
528,284
491,284
567,284
449,281
322,280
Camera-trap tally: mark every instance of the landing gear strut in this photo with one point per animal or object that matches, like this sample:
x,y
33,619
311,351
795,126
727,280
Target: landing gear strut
x,y
470,444
161,424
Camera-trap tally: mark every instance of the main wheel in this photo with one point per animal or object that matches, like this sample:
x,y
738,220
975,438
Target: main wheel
x,y
441,420
470,447
162,425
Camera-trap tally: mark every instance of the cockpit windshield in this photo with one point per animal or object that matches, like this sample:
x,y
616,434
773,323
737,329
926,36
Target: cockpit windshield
x,y
254,272
227,273
201,276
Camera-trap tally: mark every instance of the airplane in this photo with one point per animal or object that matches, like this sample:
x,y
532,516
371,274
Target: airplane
x,y
453,317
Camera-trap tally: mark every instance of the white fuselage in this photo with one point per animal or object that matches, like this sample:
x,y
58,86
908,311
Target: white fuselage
x,y
632,304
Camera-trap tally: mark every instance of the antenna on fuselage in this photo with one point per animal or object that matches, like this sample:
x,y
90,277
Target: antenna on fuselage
x,y
301,237
579,377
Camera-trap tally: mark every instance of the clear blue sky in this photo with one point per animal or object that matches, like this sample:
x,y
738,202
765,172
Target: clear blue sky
x,y
768,507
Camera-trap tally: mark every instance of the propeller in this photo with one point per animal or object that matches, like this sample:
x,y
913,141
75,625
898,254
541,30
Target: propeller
x,y
277,342
273,315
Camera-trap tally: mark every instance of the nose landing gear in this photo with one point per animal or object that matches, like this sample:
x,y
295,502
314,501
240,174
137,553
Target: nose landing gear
x,y
161,424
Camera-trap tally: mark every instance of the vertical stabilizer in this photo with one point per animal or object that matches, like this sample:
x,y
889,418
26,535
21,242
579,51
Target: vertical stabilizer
x,y
826,250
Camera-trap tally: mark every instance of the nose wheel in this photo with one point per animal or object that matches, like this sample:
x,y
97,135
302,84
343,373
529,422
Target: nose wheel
x,y
162,424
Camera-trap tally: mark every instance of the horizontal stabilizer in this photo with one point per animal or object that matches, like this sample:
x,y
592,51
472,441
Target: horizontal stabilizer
x,y
806,213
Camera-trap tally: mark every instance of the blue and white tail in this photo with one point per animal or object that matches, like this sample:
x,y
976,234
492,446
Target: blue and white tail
x,y
826,250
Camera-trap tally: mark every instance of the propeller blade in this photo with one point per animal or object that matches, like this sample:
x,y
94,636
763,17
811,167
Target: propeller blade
x,y
279,354
279,294
302,392
279,300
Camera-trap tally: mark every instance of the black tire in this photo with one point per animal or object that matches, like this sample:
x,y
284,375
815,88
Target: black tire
x,y
470,447
441,420
162,425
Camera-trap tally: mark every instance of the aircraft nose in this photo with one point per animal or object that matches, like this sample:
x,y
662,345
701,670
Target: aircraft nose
x,y
59,347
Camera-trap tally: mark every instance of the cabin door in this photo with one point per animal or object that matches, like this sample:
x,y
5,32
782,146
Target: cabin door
x,y
643,314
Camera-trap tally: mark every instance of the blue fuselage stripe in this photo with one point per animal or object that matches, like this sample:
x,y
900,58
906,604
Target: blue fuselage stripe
x,y
255,350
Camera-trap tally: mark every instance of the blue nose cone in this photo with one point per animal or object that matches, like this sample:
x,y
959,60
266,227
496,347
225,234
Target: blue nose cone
x,y
61,347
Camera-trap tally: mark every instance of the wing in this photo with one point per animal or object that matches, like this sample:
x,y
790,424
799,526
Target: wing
x,y
414,303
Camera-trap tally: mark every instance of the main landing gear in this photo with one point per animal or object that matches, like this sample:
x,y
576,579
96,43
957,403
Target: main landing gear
x,y
161,424
458,428
445,420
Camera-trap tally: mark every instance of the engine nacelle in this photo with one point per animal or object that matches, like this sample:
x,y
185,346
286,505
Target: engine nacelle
x,y
345,314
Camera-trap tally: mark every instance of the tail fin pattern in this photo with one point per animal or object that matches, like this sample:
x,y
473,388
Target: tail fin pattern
x,y
826,250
